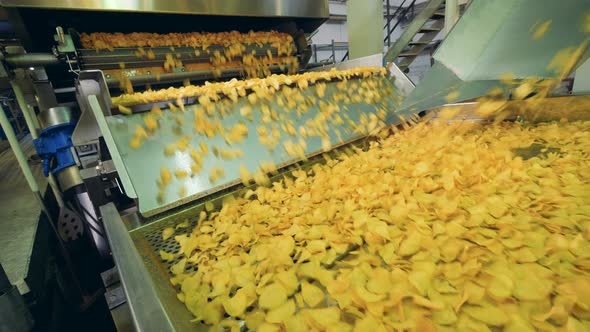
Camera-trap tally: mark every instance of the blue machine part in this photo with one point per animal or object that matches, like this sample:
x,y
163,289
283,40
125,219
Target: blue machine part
x,y
55,144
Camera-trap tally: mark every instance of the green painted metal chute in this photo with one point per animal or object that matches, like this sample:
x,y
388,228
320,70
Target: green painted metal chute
x,y
497,38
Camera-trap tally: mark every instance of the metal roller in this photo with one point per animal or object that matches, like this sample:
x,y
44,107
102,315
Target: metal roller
x,y
30,60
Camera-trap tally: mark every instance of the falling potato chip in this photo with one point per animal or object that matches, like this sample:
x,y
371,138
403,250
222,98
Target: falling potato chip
x,y
135,143
169,149
165,176
180,173
540,30
125,110
150,122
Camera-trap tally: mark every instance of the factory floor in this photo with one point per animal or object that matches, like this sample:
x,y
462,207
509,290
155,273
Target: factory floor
x,y
19,212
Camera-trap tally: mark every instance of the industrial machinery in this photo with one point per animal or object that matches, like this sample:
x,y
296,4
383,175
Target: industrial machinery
x,y
125,166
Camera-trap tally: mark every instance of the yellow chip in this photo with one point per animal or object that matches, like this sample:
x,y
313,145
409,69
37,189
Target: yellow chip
x,y
179,267
165,176
236,305
135,143
268,327
254,319
296,323
125,110
272,296
312,295
150,122
324,317
167,233
288,279
281,313
180,173
169,149
167,256
488,314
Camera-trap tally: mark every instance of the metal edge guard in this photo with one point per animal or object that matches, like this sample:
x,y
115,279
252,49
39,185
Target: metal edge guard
x,y
108,138
146,309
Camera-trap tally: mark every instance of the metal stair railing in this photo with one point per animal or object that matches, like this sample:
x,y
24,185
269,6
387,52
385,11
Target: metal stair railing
x,y
401,12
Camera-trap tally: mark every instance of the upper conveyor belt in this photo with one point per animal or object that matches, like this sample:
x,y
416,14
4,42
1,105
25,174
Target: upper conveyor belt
x,y
135,55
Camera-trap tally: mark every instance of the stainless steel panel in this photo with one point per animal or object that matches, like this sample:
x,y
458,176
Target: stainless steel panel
x,y
108,138
401,81
146,308
261,8
143,165
89,82
494,38
55,116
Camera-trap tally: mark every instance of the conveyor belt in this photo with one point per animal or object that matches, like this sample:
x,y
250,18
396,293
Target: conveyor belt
x,y
103,59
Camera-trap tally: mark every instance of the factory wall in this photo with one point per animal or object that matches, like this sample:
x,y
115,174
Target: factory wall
x,y
336,30
332,30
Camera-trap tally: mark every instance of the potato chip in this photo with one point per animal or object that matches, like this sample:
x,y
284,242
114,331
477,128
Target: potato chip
x,y
288,279
281,313
323,317
540,29
125,110
179,267
236,305
167,233
296,323
488,314
410,245
267,327
312,295
180,173
272,296
368,323
167,256
254,319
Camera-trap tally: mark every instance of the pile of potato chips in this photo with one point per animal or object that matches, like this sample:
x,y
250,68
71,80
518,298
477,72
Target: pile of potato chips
x,y
110,41
440,227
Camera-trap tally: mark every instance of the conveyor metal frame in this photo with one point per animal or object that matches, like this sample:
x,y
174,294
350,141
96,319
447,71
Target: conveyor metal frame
x,y
270,8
